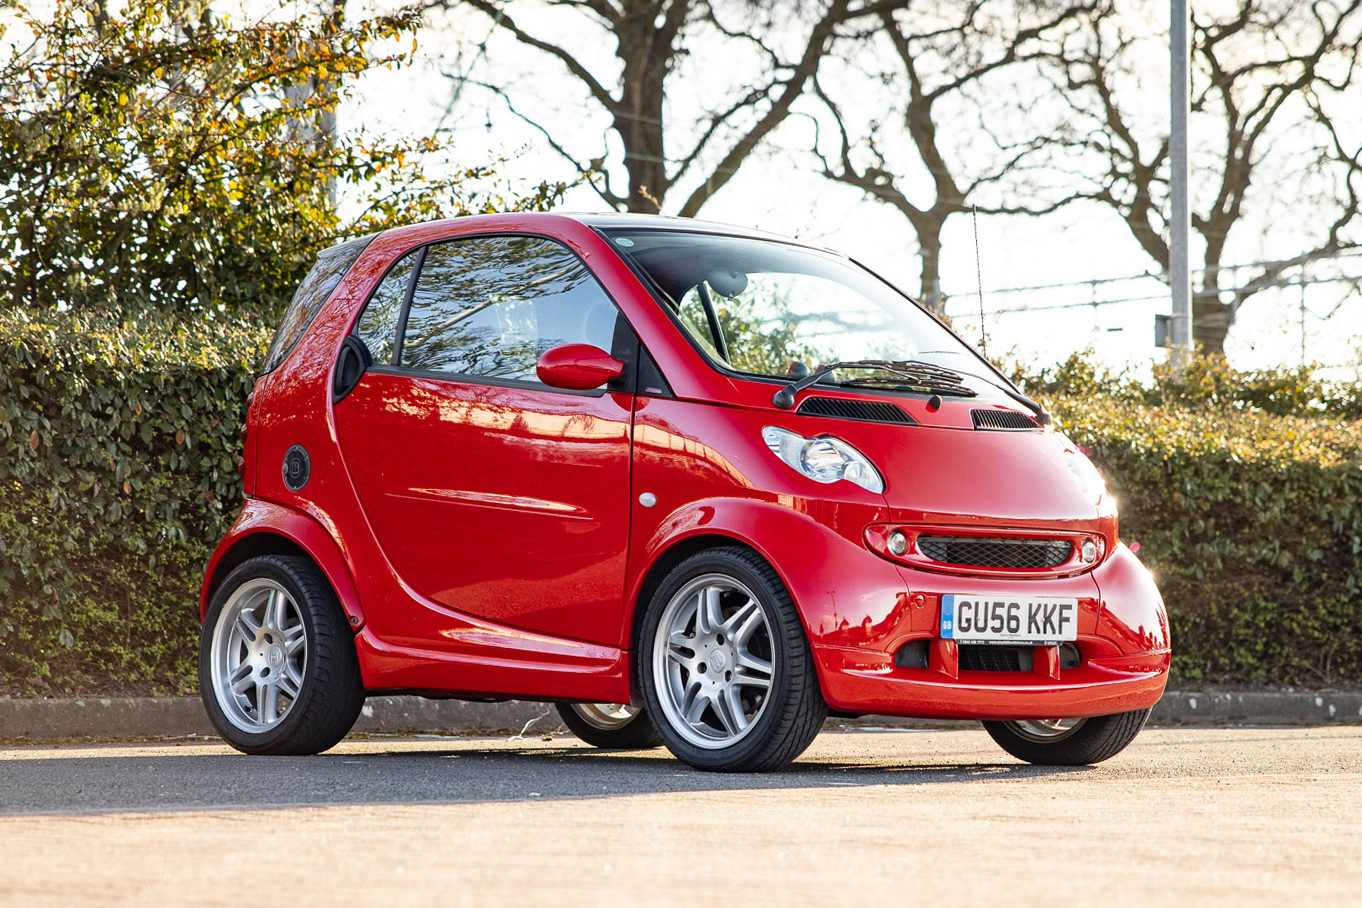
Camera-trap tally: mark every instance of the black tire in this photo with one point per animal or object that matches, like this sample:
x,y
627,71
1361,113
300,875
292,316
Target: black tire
x,y
593,724
1090,741
785,715
289,703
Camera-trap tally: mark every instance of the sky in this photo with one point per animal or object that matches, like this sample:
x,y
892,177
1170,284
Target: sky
x,y
1093,287
1070,281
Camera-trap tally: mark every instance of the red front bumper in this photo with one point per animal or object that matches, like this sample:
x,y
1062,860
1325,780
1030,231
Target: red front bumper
x,y
1123,639
857,681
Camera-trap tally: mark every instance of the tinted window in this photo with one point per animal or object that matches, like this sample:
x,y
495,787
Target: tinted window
x,y
315,290
378,324
490,306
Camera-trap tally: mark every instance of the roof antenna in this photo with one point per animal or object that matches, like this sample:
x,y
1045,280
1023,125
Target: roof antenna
x,y
979,276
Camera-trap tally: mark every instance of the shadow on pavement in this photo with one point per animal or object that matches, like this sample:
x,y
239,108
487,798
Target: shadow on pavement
x,y
185,780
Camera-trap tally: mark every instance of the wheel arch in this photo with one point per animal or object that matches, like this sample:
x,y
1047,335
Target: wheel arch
x,y
265,528
665,560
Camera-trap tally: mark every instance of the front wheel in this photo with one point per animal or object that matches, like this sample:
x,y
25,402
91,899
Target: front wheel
x,y
609,726
724,666
277,665
1068,742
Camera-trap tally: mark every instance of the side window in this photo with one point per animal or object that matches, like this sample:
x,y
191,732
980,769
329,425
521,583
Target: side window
x,y
313,292
490,306
377,325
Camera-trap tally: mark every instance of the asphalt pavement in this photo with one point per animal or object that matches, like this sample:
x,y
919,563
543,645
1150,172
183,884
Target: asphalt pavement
x,y
1186,816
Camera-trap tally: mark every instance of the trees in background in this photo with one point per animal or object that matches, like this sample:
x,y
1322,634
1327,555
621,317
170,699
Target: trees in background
x,y
150,160
1018,107
1276,153
689,89
934,113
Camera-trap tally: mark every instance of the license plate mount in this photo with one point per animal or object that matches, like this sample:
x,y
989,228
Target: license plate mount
x,y
990,618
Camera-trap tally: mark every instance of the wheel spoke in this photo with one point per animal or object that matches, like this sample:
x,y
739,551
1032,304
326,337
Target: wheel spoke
x,y
678,655
274,610
728,706
743,680
695,701
753,663
743,622
240,678
291,682
294,638
713,608
246,625
267,700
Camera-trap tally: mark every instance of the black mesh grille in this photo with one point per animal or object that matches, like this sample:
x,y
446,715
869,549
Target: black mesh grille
x,y
1005,420
864,410
985,658
980,551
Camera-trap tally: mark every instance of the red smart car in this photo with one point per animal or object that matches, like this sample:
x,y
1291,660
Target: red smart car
x,y
698,485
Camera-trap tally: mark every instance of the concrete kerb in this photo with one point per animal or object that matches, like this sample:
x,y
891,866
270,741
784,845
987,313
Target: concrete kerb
x,y
181,717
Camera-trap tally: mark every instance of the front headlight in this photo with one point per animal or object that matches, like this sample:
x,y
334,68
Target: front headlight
x,y
1085,476
823,459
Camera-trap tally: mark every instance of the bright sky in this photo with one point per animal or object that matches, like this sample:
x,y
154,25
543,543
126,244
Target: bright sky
x,y
1076,257
780,192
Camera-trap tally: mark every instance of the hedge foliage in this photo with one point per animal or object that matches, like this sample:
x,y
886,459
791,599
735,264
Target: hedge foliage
x,y
119,444
1244,492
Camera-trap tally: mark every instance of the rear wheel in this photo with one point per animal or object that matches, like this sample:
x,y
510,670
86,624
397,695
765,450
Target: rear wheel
x,y
277,666
611,726
724,666
1068,742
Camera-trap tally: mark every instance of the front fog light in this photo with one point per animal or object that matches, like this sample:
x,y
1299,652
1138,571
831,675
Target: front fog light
x,y
1089,551
898,543
823,459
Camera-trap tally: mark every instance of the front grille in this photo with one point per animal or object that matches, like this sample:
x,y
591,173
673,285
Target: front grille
x,y
1003,420
986,658
863,410
983,551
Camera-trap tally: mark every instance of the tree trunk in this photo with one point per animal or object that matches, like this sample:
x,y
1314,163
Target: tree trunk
x,y
1211,320
929,248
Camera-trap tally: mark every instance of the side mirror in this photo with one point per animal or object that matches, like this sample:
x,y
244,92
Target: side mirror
x,y
577,367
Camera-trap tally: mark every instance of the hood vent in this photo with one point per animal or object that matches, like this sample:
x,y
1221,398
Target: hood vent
x,y
862,410
1003,421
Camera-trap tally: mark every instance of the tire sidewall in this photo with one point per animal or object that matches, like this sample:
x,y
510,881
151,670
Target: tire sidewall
x,y
778,621
278,571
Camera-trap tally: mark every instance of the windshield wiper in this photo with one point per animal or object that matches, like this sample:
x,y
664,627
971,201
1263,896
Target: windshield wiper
x,y
919,376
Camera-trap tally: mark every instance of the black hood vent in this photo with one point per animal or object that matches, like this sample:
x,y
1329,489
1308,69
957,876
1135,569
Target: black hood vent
x,y
862,410
1003,421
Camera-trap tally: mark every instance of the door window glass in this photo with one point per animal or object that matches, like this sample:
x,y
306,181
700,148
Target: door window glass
x,y
490,306
377,325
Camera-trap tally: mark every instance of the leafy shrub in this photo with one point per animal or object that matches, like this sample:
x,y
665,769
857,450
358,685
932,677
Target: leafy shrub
x,y
119,443
1244,492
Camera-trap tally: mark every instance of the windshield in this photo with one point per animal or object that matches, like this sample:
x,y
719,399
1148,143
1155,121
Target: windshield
x,y
779,310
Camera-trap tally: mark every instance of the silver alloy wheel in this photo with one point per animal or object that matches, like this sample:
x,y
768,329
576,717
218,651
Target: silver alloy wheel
x,y
259,655
713,661
1046,730
606,716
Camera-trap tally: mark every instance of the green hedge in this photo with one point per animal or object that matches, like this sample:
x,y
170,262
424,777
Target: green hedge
x,y
119,444
1244,492
118,451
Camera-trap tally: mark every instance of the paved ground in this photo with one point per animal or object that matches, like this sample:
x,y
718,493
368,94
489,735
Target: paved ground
x,y
1248,816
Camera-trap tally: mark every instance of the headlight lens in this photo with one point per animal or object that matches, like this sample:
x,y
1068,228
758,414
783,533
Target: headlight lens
x,y
1085,476
823,459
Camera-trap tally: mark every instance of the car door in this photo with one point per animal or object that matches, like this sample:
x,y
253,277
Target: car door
x,y
488,491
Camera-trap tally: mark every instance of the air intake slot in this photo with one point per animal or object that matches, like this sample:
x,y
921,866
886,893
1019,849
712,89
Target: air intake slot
x,y
862,410
987,551
1003,421
987,658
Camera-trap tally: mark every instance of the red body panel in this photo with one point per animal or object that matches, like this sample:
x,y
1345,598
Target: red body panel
x,y
496,540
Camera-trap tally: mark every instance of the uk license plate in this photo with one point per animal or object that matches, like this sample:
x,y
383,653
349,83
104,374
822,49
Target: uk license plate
x,y
1003,619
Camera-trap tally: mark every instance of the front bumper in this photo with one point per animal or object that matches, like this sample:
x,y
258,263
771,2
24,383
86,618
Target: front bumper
x,y
1123,640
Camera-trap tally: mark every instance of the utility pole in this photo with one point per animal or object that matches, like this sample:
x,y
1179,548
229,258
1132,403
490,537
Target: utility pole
x,y
1179,276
